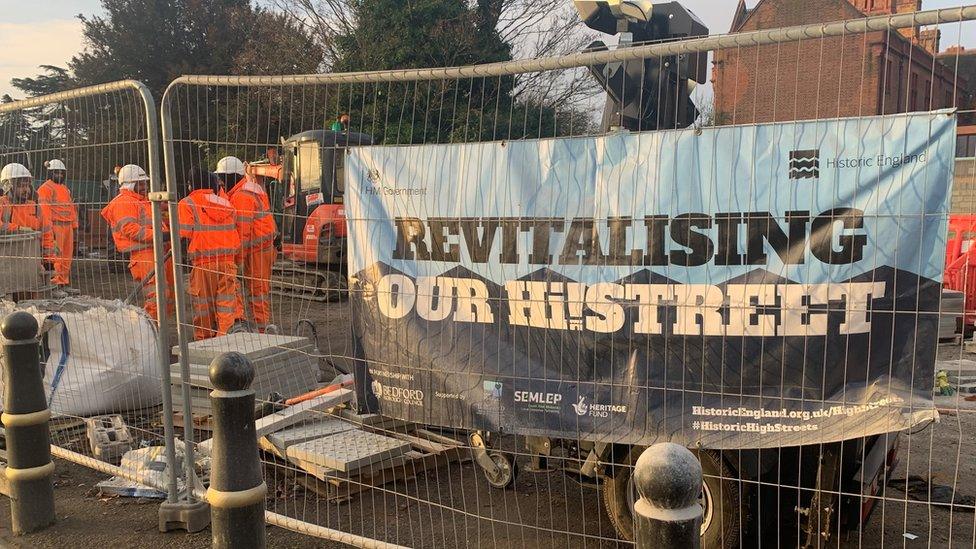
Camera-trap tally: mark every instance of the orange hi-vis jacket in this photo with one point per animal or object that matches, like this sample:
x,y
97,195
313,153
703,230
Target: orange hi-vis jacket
x,y
130,216
29,214
255,224
55,200
207,220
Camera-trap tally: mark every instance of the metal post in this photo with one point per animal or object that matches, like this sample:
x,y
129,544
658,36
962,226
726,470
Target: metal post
x,y
189,508
182,324
667,514
162,314
25,419
237,489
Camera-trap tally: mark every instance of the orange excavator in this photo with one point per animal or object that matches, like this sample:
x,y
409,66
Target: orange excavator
x,y
311,217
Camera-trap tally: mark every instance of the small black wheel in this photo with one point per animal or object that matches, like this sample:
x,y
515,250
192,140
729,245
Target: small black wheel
x,y
507,471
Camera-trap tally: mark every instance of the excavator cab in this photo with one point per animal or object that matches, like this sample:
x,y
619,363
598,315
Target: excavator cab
x,y
313,219
313,223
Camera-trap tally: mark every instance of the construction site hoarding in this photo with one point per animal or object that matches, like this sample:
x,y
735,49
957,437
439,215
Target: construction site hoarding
x,y
735,287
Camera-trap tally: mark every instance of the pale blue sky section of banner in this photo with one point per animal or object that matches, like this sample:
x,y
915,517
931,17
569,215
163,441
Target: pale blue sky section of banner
x,y
46,32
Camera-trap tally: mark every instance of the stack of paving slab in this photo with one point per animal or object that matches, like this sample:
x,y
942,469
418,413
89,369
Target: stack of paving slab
x,y
282,364
951,309
329,446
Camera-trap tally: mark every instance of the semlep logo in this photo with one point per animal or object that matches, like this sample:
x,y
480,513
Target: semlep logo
x,y
805,164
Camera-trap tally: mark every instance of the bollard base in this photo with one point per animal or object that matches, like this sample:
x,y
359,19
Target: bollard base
x,y
192,516
31,505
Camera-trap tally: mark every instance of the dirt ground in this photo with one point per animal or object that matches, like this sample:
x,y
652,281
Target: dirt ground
x,y
453,506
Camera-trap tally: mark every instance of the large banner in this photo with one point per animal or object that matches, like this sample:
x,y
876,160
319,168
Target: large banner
x,y
733,287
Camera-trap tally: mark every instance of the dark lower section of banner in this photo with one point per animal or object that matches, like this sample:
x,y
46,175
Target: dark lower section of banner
x,y
756,362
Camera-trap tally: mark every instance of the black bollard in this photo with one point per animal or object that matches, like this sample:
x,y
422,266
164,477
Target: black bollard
x,y
25,420
237,489
667,514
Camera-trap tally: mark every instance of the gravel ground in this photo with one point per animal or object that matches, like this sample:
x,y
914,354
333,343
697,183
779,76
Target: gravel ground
x,y
453,506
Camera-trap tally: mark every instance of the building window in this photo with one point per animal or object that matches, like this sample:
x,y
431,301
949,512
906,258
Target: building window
x,y
966,146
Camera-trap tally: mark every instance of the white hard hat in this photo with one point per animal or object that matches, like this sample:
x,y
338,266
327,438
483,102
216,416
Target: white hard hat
x,y
230,164
55,165
10,172
130,174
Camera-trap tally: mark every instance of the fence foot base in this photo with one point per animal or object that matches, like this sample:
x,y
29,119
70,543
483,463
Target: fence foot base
x,y
192,516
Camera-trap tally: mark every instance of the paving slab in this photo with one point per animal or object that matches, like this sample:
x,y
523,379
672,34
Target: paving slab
x,y
300,412
348,450
253,346
308,431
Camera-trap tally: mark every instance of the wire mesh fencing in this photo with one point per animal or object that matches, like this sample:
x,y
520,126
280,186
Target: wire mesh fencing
x,y
473,295
531,271
66,260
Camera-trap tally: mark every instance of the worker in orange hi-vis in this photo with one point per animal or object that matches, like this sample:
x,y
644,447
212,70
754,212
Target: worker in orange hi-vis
x,y
18,210
207,221
256,227
129,215
55,200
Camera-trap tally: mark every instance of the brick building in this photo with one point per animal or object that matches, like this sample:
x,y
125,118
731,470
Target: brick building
x,y
857,75
963,62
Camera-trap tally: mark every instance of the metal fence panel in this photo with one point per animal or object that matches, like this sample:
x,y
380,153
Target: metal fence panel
x,y
103,353
385,466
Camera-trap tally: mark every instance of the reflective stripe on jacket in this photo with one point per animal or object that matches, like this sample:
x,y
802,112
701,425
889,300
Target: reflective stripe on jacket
x,y
129,215
207,220
255,224
55,200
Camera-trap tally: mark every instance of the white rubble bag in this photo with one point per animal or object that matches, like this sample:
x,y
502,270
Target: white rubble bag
x,y
102,355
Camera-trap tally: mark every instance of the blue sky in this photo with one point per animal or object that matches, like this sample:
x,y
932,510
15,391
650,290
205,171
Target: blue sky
x,y
46,32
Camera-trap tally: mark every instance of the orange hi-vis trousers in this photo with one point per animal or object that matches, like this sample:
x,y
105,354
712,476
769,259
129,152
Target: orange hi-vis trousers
x,y
142,265
257,284
215,297
64,239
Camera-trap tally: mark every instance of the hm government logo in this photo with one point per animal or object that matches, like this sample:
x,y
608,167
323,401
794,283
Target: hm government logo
x,y
805,164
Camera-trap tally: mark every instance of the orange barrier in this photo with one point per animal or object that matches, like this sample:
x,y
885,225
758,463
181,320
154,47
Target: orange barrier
x,y
960,266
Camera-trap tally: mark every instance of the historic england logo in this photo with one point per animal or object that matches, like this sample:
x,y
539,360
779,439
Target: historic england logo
x,y
805,164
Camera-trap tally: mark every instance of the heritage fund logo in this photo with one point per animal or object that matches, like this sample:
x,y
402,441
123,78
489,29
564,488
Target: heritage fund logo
x,y
805,164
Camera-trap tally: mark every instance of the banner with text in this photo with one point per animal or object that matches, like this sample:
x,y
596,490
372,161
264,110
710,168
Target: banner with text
x,y
734,287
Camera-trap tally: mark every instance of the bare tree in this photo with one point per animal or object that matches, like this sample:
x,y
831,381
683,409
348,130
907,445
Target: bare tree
x,y
533,28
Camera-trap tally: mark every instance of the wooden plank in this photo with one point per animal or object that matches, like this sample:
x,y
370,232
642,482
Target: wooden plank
x,y
437,437
200,421
427,446
294,414
331,484
409,470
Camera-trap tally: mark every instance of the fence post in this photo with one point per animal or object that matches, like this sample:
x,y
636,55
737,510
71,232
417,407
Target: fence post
x,y
25,419
667,514
237,488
